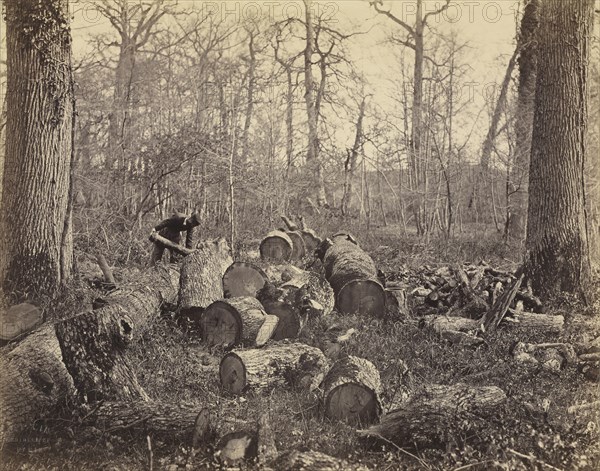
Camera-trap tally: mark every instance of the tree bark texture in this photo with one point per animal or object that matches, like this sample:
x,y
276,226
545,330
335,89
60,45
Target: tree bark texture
x,y
80,358
524,119
557,257
353,277
201,281
233,321
351,391
38,255
282,364
437,413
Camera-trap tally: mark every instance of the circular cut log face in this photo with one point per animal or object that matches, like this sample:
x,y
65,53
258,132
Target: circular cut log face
x,y
352,403
366,297
233,374
275,248
221,325
243,279
299,248
289,324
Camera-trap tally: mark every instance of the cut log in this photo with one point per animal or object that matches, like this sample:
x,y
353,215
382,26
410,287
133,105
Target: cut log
x,y
243,279
19,320
233,321
314,461
276,246
167,421
298,245
290,321
201,281
277,365
80,358
237,447
155,237
351,391
436,414
307,288
541,322
353,277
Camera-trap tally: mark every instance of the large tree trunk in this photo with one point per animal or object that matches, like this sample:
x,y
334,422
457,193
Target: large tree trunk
x,y
524,120
81,358
557,244
201,281
36,248
437,413
353,277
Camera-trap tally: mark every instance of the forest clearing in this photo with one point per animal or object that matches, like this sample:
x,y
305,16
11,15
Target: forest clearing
x,y
359,235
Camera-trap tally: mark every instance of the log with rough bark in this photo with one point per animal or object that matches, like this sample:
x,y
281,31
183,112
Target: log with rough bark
x,y
236,321
541,322
167,421
298,245
314,461
276,246
201,281
181,250
307,296
277,365
351,391
243,279
434,415
17,321
81,358
353,277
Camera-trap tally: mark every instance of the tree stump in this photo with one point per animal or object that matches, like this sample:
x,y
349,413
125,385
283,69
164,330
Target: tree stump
x,y
298,245
243,279
434,415
353,277
276,246
351,391
201,281
234,321
277,365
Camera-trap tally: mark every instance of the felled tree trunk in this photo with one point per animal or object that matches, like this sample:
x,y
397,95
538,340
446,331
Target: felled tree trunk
x,y
306,296
541,322
277,365
353,277
236,321
457,330
436,414
167,421
298,245
351,391
313,461
80,358
201,281
243,279
276,246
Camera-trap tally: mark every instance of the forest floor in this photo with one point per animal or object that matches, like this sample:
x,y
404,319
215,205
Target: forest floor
x,y
531,431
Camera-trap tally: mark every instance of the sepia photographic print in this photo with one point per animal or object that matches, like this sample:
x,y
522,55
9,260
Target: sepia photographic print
x,y
300,235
